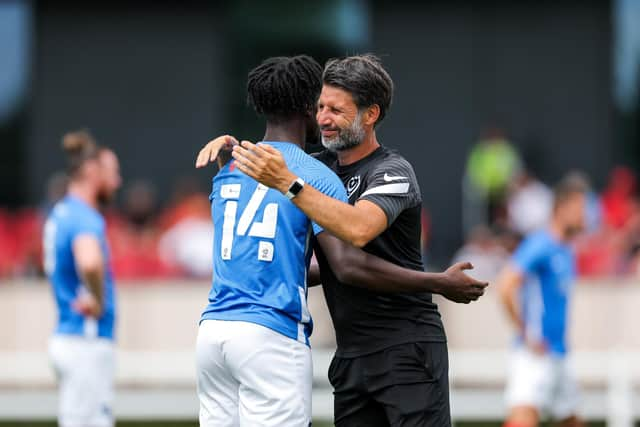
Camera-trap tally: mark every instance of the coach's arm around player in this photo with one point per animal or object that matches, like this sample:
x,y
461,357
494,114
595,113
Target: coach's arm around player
x,y
355,267
357,224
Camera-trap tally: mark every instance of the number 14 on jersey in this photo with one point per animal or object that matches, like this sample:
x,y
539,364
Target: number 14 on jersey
x,y
265,228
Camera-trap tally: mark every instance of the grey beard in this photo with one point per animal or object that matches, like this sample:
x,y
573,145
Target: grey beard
x,y
347,138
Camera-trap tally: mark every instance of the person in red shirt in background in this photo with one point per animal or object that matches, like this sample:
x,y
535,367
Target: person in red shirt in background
x,y
618,198
134,234
611,248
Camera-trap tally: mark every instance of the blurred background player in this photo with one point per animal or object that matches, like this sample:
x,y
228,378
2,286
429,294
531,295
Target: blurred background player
x,y
77,265
535,289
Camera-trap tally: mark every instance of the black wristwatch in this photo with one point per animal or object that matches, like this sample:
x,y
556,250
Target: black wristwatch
x,y
294,188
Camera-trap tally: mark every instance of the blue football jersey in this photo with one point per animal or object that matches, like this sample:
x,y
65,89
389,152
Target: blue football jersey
x,y
549,269
261,247
68,219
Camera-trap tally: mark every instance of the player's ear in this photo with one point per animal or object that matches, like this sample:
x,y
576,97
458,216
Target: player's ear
x,y
371,115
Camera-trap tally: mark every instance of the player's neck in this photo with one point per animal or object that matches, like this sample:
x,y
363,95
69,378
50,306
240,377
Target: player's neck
x,y
85,192
293,130
366,147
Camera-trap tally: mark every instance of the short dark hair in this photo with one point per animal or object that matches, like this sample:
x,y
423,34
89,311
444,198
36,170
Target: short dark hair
x,y
283,86
572,184
364,77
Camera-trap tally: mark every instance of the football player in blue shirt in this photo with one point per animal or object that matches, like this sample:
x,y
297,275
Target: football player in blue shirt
x,y
536,290
76,261
253,358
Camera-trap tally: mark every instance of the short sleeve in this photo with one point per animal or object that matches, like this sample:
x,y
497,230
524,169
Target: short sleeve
x,y
529,254
327,183
392,186
84,225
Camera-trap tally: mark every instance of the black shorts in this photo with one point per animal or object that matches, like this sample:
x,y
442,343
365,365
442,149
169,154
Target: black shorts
x,y
401,386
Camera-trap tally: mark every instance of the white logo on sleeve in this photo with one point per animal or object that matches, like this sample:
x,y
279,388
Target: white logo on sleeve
x,y
230,191
388,178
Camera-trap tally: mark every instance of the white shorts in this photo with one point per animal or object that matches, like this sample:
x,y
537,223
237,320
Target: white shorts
x,y
544,382
249,375
85,369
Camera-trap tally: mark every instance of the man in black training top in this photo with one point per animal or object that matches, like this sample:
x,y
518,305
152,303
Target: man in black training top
x,y
391,365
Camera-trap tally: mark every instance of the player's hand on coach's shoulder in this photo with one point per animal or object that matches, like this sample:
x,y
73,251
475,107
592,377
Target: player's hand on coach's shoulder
x,y
209,152
459,287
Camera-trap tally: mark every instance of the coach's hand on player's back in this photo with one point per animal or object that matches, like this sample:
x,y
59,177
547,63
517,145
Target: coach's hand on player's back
x,y
209,152
459,287
265,164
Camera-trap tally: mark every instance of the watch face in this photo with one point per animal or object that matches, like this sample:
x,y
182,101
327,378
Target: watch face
x,y
295,188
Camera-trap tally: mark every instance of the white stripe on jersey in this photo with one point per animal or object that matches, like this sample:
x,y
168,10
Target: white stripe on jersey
x,y
400,188
535,312
305,316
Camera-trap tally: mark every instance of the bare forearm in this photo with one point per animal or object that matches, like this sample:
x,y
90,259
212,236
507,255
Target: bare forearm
x,y
342,220
353,224
356,267
509,283
509,301
89,259
379,275
94,281
514,314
